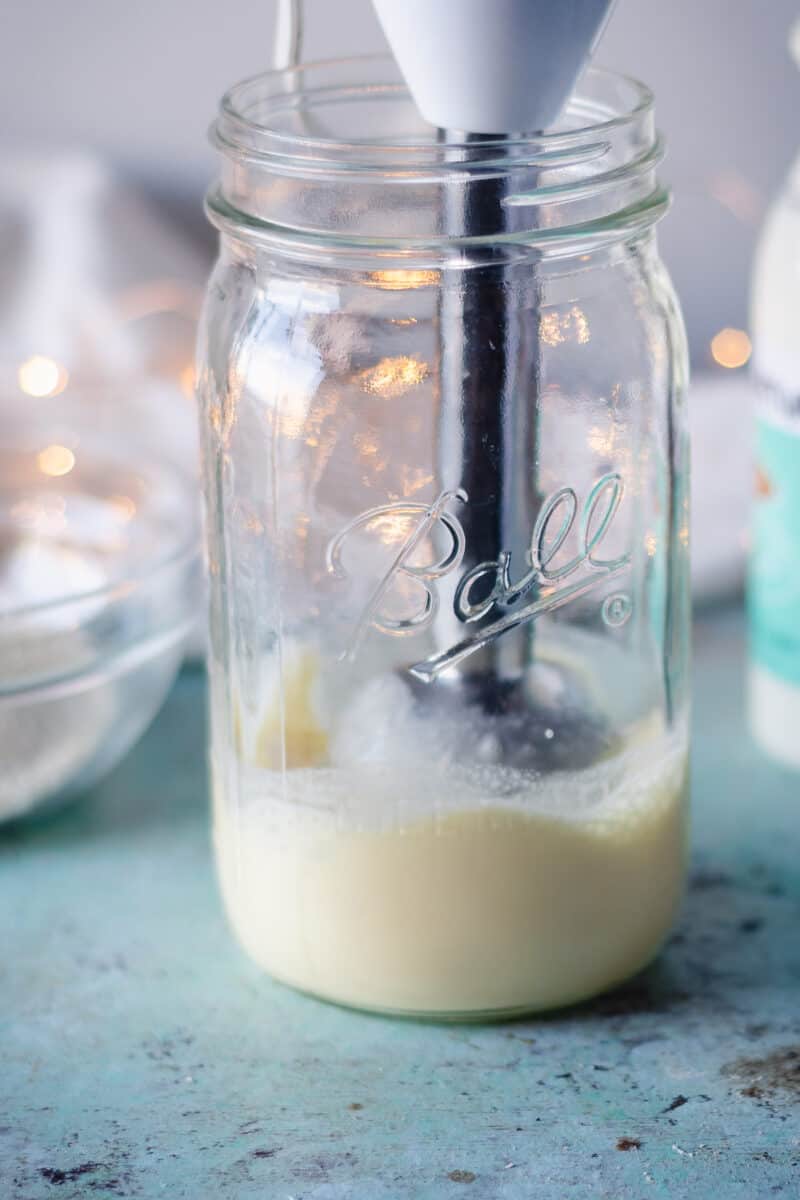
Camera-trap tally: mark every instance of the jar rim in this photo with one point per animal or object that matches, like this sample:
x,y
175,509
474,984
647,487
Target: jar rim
x,y
250,111
336,153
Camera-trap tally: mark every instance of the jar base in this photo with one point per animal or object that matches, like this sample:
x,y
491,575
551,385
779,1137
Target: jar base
x,y
487,1016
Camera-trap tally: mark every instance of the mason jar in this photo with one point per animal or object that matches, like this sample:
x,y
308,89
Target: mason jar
x,y
446,475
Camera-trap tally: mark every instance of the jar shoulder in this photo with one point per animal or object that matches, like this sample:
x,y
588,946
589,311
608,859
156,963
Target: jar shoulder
x,y
626,297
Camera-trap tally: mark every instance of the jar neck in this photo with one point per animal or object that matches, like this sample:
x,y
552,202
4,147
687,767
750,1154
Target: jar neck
x,y
332,158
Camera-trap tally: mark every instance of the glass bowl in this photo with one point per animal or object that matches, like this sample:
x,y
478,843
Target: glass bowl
x,y
99,586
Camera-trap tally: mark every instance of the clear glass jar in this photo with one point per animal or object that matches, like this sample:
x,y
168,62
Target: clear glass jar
x,y
447,517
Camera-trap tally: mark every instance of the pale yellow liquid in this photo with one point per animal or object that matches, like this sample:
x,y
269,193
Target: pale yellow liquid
x,y
419,892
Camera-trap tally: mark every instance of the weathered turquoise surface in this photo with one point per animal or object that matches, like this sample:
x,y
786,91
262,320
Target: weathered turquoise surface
x,y
143,1056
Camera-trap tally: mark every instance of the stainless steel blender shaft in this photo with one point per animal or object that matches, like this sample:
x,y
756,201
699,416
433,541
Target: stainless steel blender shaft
x,y
487,401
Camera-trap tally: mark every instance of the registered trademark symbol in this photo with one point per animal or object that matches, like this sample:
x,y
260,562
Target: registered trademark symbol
x,y
617,609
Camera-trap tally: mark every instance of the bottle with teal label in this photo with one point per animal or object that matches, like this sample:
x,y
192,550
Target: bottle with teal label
x,y
774,583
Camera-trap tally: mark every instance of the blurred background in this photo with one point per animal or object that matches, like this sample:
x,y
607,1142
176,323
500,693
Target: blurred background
x,y
139,84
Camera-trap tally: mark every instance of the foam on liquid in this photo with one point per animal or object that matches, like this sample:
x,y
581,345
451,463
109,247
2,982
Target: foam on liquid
x,y
454,890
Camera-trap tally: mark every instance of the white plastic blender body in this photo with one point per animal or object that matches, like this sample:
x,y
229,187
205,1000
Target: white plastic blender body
x,y
499,67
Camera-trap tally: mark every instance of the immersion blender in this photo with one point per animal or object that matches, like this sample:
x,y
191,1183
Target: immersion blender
x,y
488,74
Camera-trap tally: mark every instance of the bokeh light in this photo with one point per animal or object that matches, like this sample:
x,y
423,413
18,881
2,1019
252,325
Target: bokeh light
x,y
42,377
55,460
731,348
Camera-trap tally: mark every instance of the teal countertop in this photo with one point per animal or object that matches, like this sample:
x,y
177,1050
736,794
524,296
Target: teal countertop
x,y
142,1055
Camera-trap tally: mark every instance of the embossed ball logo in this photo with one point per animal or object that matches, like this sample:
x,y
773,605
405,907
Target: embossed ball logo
x,y
489,589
